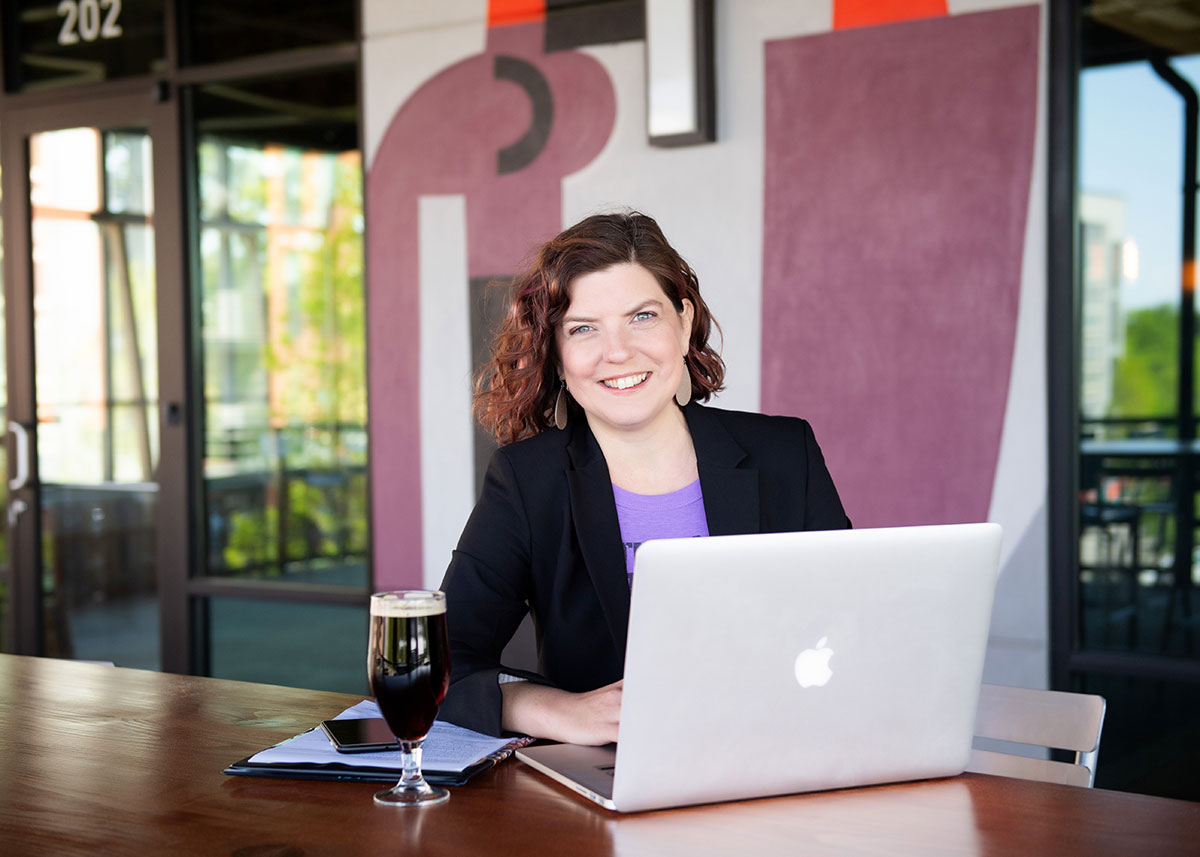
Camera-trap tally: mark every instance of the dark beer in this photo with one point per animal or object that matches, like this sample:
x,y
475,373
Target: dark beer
x,y
409,664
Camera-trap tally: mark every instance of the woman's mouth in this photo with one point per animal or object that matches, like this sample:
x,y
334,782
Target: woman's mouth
x,y
625,381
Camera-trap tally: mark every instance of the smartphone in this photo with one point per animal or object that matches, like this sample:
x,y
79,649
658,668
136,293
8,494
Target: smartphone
x,y
360,735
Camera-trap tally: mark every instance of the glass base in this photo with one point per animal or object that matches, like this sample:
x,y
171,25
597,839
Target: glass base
x,y
412,790
417,794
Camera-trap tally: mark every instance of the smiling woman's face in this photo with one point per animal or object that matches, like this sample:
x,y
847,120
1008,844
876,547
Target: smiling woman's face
x,y
622,344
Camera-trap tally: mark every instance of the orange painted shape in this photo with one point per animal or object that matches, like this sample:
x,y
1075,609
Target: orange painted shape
x,y
867,13
501,13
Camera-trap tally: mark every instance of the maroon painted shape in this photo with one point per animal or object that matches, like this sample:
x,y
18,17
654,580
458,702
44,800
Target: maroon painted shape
x,y
444,140
897,171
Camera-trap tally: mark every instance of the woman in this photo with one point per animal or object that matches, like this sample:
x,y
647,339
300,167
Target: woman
x,y
591,393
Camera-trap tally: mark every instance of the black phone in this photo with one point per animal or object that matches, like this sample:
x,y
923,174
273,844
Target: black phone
x,y
360,735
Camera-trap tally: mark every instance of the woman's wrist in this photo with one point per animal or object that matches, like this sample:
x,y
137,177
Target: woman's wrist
x,y
533,709
548,712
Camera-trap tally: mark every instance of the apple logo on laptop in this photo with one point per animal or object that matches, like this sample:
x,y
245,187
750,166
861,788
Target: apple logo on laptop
x,y
812,665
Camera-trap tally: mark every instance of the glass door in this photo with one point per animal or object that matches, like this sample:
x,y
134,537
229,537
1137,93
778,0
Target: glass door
x,y
96,389
94,480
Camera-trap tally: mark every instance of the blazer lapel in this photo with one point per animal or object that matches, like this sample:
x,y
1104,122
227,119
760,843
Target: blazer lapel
x,y
597,529
730,491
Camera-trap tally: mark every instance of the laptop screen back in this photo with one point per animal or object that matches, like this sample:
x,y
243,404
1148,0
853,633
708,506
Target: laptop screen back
x,y
778,663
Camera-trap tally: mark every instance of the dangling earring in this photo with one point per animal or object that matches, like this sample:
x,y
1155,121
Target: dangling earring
x,y
560,406
684,394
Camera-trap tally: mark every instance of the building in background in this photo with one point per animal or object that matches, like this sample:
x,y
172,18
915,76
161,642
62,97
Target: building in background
x,y
1102,247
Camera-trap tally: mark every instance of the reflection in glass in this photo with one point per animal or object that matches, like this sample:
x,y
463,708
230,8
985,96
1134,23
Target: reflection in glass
x,y
316,646
1150,734
127,171
280,246
96,384
218,30
51,43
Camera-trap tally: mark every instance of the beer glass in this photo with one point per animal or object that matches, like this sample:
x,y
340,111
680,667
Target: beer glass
x,y
408,664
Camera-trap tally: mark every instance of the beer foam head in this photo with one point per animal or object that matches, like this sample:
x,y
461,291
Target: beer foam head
x,y
408,603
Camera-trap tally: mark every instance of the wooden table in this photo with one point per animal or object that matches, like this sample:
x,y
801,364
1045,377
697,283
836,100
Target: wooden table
x,y
102,761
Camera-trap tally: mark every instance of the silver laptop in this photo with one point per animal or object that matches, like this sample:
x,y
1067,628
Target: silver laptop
x,y
771,664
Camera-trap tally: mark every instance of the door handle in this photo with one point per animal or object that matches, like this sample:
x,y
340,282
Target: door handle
x,y
21,435
15,508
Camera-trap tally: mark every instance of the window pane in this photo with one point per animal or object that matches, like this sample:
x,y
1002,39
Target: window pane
x,y
1150,735
65,42
299,645
1138,455
219,30
95,358
128,171
1130,167
1127,553
282,328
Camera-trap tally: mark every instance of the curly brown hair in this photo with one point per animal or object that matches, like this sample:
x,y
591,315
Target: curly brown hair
x,y
515,390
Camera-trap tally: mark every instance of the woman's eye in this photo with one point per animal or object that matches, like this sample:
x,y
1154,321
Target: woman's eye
x,y
579,328
644,315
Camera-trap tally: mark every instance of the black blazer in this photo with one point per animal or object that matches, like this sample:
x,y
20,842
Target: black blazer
x,y
544,537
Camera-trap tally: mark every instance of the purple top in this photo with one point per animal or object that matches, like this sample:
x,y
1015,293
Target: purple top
x,y
643,517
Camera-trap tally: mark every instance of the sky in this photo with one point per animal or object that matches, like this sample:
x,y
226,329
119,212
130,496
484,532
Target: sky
x,y
1131,145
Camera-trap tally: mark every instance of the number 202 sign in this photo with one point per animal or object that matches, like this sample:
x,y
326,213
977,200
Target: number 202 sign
x,y
89,20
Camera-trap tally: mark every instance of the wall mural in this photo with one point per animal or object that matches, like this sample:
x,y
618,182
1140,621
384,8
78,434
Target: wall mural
x,y
893,212
503,128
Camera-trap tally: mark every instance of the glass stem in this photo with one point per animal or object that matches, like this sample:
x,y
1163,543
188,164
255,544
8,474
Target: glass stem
x,y
410,761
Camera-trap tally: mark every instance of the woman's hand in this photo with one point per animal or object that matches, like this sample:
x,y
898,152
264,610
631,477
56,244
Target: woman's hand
x,y
575,718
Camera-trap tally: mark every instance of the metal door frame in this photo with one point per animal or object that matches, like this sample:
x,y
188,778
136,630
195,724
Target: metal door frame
x,y
141,105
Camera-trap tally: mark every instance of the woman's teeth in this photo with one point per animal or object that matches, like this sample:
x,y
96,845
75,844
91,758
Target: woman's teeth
x,y
626,382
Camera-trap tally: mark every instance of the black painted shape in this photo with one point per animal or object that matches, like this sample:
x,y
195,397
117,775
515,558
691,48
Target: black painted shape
x,y
524,152
489,299
572,24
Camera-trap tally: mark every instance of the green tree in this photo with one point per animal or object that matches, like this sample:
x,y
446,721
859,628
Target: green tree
x,y
323,362
1146,377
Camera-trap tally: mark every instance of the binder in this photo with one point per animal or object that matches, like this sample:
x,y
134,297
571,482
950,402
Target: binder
x,y
311,756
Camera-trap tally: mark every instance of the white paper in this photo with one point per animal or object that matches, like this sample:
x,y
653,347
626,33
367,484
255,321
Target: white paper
x,y
448,748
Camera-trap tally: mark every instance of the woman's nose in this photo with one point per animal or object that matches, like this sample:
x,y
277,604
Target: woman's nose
x,y
616,346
